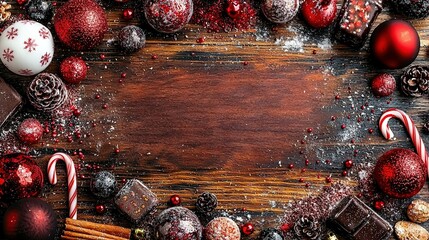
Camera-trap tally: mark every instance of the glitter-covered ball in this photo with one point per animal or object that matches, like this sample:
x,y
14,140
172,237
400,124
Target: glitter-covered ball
x,y
80,24
30,131
400,173
30,219
73,70
222,228
168,16
103,184
131,38
178,223
280,11
20,177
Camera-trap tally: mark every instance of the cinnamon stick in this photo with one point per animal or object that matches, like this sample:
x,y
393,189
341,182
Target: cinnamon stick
x,y
123,233
76,229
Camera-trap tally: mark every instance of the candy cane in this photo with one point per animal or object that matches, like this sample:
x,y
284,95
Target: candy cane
x,y
71,179
411,128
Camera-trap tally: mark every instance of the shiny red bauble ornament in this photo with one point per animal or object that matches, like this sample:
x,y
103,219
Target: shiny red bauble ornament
x,y
20,177
319,13
400,173
30,219
168,16
80,24
175,200
73,70
247,228
395,44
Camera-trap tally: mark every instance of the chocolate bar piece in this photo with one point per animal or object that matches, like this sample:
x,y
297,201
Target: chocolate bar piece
x,y
356,19
10,101
135,199
354,220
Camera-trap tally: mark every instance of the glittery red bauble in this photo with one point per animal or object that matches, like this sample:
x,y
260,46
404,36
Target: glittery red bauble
x,y
20,177
80,24
73,70
400,173
168,16
395,44
30,219
30,131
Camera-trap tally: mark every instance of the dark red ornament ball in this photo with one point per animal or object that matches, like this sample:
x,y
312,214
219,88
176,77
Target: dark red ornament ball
x,y
168,16
247,228
73,70
80,24
30,131
383,85
20,177
30,219
319,13
400,173
395,44
175,200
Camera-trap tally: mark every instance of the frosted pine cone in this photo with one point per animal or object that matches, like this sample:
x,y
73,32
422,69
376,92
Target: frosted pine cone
x,y
47,92
307,228
206,202
415,81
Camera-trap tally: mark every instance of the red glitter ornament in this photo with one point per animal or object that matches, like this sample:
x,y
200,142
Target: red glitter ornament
x,y
128,14
400,173
247,228
378,205
383,85
30,219
80,24
395,44
20,177
73,70
168,16
30,131
175,200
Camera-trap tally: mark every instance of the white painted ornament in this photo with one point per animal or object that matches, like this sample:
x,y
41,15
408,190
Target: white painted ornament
x,y
26,47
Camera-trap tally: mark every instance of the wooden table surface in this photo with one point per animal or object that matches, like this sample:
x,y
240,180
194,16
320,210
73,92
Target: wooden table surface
x,y
227,116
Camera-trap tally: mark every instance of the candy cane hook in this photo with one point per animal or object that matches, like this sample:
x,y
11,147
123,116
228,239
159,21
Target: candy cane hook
x,y
71,179
411,129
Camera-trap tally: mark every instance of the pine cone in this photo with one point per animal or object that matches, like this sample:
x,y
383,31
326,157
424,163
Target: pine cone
x,y
307,228
415,81
206,202
47,92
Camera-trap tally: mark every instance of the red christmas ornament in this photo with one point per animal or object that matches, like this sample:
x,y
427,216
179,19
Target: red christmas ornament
x,y
20,177
319,13
128,14
168,16
30,131
30,219
400,173
247,228
80,24
395,44
175,200
73,70
383,85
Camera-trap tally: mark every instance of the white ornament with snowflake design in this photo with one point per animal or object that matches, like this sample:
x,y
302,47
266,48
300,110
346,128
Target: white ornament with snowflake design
x,y
26,47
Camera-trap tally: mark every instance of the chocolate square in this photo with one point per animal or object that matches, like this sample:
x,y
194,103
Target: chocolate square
x,y
10,101
352,215
375,228
135,200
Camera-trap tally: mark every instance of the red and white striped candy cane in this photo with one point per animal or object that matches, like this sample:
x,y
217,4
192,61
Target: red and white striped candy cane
x,y
411,128
71,179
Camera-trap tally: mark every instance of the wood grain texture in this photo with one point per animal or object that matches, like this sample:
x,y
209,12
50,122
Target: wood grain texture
x,y
198,118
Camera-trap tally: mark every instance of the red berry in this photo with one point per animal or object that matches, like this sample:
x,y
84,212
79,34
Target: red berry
x,y
383,85
348,163
286,227
319,13
30,131
73,70
247,228
100,208
344,173
328,179
128,14
234,8
378,205
175,200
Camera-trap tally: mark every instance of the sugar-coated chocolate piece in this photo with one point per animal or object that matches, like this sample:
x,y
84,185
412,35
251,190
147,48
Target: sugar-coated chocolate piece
x,y
10,101
356,19
354,220
135,199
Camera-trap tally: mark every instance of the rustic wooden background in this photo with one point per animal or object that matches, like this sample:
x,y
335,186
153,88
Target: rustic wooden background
x,y
227,116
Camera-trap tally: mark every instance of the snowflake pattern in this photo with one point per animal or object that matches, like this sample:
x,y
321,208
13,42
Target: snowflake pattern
x,y
26,72
45,59
30,44
12,33
8,55
30,22
44,33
